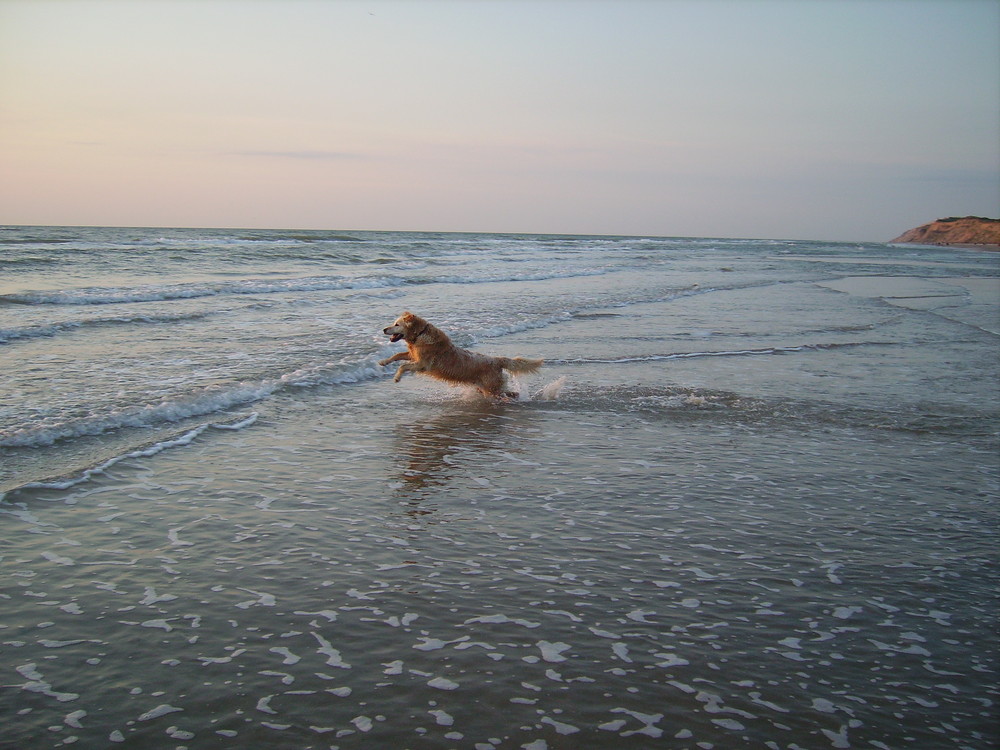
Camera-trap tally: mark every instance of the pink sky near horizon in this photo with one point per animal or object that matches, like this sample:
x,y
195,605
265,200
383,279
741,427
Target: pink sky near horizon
x,y
811,119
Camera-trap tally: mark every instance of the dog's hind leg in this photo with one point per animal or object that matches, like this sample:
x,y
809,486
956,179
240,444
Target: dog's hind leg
x,y
492,383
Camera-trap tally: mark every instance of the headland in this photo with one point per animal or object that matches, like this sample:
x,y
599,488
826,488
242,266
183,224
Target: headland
x,y
974,231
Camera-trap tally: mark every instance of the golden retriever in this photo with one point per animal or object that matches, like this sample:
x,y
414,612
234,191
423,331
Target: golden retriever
x,y
430,351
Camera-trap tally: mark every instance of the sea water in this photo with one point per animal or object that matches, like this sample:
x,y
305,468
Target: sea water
x,y
750,500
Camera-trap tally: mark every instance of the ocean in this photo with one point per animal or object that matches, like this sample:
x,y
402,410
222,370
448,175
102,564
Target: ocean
x,y
750,501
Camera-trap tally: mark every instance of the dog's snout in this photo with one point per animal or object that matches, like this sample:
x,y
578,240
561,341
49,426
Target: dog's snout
x,y
386,330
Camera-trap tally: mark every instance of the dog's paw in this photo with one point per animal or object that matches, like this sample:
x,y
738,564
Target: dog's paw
x,y
383,362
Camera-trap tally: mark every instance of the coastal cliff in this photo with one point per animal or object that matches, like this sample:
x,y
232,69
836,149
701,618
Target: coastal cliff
x,y
967,230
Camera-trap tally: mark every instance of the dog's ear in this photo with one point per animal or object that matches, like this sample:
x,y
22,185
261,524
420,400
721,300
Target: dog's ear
x,y
407,316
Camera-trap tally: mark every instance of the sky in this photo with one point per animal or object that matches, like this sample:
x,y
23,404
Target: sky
x,y
849,120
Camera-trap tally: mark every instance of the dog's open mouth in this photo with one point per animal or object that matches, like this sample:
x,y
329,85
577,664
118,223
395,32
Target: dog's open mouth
x,y
394,337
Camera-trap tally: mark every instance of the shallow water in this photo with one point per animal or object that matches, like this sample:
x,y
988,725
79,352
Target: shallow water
x,y
760,512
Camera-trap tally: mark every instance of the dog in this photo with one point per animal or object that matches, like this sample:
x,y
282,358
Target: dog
x,y
430,351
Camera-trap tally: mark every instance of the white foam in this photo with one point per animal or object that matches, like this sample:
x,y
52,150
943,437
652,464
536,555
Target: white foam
x,y
161,624
604,633
334,658
206,660
621,651
649,722
264,705
564,613
844,613
552,652
286,679
432,644
58,559
443,683
559,726
175,540
612,726
730,724
443,718
329,614
162,710
670,660
393,667
640,615
263,599
839,738
755,697
290,658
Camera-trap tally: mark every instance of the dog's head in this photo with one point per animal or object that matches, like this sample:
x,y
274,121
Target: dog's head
x,y
404,327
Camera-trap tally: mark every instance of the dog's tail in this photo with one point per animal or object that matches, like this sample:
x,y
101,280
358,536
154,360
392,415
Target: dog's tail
x,y
520,364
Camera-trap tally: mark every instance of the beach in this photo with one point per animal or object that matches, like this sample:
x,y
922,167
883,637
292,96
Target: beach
x,y
749,501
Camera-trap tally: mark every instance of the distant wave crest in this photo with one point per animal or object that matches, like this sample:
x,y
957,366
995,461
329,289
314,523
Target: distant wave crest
x,y
8,335
723,353
153,293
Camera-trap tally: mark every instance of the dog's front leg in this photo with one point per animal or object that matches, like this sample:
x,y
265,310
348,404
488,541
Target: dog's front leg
x,y
405,368
394,358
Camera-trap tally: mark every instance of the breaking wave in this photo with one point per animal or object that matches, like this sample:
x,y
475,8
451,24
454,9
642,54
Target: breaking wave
x,y
185,438
209,401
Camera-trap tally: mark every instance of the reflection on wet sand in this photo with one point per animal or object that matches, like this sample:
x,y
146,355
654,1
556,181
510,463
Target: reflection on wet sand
x,y
431,453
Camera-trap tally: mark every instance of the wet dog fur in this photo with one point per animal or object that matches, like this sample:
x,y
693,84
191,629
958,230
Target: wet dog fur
x,y
429,351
